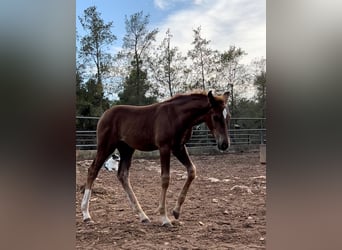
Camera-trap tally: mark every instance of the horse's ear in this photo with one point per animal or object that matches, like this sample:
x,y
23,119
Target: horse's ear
x,y
211,98
225,97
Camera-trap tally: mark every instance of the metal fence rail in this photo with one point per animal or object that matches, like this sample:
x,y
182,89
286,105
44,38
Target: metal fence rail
x,y
243,131
204,138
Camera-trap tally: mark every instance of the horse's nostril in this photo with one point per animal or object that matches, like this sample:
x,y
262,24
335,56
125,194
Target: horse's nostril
x,y
224,146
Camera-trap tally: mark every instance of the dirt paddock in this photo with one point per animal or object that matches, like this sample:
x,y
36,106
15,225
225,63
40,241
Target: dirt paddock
x,y
225,207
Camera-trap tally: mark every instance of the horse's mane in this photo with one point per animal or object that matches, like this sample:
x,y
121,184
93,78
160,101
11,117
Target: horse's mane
x,y
183,96
192,95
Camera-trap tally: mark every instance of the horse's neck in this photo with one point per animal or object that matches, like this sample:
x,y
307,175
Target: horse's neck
x,y
194,111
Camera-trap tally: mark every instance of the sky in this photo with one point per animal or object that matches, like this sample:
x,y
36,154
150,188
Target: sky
x,y
241,23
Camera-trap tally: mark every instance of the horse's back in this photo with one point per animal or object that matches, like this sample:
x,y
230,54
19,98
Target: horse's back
x,y
134,125
129,115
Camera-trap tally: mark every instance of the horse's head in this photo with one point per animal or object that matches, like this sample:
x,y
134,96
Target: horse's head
x,y
217,119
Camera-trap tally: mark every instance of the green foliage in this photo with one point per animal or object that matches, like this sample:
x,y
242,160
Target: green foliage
x,y
96,42
89,99
260,83
135,89
233,74
247,108
233,55
138,37
203,60
137,42
145,71
167,68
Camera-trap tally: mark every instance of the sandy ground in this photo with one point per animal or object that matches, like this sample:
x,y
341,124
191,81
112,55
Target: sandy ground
x,y
225,207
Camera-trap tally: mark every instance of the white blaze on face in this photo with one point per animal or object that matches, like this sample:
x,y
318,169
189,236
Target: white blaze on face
x,y
225,113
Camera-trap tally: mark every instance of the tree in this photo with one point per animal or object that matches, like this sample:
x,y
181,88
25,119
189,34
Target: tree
x,y
258,71
89,97
82,105
137,42
90,100
260,83
80,93
232,72
203,60
95,43
258,65
247,108
130,96
167,67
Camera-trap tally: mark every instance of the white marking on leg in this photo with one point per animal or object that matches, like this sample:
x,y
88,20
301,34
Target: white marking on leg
x,y
165,220
143,217
225,113
85,204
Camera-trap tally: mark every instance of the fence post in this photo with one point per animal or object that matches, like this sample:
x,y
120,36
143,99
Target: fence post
x,y
261,137
262,153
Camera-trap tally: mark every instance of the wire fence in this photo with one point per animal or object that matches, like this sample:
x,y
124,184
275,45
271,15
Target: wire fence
x,y
242,131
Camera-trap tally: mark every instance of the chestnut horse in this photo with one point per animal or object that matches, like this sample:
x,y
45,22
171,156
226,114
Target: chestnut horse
x,y
165,126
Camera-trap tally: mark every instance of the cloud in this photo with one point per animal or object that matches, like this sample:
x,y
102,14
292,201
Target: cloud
x,y
225,22
161,4
165,4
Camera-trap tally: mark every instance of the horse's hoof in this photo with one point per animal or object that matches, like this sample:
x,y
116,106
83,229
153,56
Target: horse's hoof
x,y
167,224
146,221
88,221
175,214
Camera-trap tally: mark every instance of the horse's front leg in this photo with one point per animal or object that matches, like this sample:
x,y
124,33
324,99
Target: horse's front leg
x,y
182,155
165,180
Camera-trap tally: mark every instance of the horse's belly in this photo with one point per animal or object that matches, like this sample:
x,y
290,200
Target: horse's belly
x,y
141,144
147,148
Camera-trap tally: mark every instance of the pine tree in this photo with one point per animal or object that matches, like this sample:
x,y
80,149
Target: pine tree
x,y
203,60
94,46
137,42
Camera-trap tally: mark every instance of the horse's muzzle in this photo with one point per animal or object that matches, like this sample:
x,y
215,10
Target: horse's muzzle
x,y
223,146
222,142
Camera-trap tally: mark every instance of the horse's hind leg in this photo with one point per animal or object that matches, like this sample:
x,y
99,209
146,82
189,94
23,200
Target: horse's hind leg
x,y
165,180
182,155
101,156
126,153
